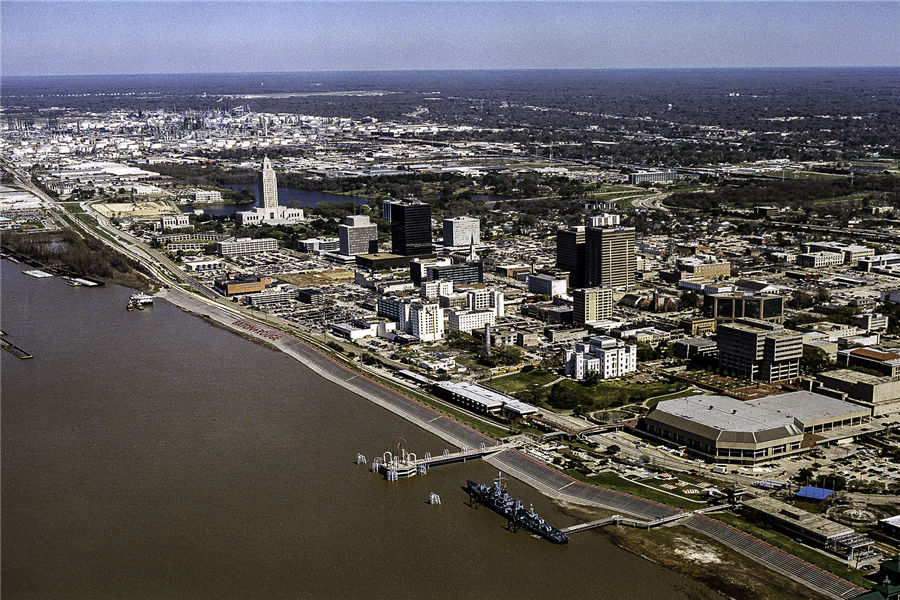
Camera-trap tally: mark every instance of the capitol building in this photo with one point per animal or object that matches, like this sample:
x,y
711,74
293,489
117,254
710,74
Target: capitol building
x,y
269,211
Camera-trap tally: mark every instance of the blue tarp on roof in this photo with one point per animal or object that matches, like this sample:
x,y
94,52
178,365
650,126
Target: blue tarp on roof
x,y
814,493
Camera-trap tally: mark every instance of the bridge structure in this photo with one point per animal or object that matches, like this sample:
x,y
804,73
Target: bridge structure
x,y
620,520
400,463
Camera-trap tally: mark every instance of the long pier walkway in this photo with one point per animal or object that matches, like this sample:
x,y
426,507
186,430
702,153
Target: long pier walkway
x,y
394,467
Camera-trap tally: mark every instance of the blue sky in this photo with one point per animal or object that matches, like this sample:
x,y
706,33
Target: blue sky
x,y
50,38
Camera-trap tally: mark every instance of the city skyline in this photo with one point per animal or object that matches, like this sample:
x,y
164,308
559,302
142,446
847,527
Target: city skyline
x,y
82,38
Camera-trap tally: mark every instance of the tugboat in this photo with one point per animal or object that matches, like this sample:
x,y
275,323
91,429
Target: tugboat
x,y
497,499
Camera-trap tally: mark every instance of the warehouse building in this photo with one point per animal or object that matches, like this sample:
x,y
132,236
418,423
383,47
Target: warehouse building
x,y
483,400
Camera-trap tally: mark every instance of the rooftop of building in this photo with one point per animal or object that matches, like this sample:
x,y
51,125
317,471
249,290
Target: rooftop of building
x,y
809,407
723,414
815,524
852,376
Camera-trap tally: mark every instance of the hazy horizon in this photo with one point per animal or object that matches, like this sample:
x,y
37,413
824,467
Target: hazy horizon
x,y
155,38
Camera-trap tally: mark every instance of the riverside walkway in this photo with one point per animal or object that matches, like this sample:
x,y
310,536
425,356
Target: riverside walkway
x,y
513,462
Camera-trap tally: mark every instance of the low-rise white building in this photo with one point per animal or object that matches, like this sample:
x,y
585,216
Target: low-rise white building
x,y
241,246
604,355
467,320
547,285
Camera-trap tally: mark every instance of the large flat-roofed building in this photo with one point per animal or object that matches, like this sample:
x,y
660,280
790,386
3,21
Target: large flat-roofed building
x,y
737,305
241,246
592,304
759,350
484,400
609,257
461,231
850,252
570,249
381,261
703,266
723,429
467,320
880,393
879,262
358,235
661,176
468,272
728,430
817,260
318,244
812,528
245,284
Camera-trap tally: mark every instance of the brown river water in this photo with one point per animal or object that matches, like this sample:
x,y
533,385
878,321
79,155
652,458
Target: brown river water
x,y
148,454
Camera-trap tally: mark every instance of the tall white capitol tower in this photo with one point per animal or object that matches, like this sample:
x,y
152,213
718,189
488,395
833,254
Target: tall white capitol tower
x,y
269,211
268,187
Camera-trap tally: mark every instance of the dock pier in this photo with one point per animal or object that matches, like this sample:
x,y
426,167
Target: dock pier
x,y
401,464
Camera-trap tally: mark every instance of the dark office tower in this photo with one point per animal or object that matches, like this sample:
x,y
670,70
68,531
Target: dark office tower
x,y
410,228
570,246
609,257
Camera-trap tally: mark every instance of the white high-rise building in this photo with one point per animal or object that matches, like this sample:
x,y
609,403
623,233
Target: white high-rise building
x,y
461,231
269,211
431,290
486,299
426,321
605,220
605,355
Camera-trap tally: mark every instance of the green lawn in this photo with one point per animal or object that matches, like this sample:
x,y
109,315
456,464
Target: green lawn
x,y
786,543
529,386
510,384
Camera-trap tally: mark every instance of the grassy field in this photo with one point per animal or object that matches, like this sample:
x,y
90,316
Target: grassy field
x,y
511,384
530,387
786,543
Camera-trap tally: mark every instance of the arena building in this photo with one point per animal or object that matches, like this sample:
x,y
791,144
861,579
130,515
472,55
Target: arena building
x,y
727,430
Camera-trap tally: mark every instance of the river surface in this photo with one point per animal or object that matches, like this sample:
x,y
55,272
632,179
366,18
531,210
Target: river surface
x,y
148,454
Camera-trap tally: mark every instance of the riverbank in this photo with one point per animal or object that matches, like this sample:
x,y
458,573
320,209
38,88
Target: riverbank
x,y
72,254
554,484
